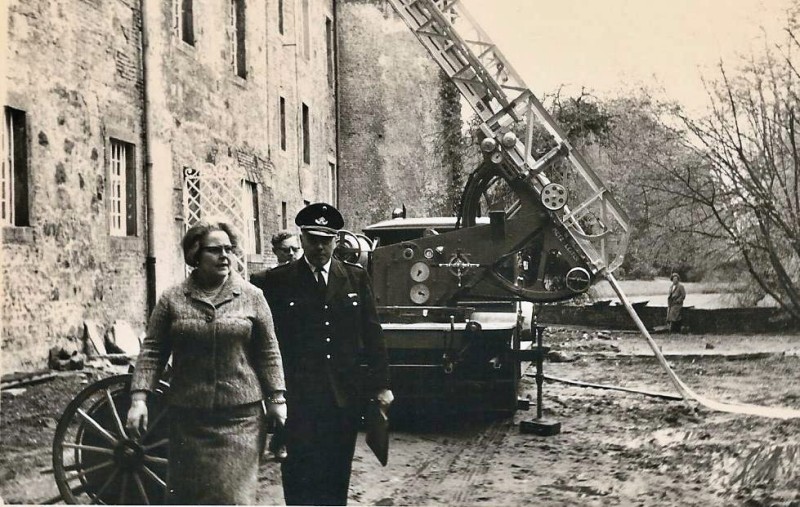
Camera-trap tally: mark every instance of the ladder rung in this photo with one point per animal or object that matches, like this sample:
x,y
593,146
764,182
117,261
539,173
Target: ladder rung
x,y
584,205
426,25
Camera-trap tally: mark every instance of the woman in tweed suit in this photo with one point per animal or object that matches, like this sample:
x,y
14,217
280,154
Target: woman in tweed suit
x,y
225,357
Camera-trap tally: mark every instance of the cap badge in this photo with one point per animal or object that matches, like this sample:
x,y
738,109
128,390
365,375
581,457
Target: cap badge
x,y
321,221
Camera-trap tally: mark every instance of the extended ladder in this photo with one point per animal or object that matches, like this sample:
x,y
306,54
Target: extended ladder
x,y
501,99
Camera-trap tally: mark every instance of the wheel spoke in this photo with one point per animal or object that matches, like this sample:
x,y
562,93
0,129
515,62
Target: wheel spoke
x,y
154,476
122,489
89,448
99,466
105,486
156,460
103,432
115,413
140,486
155,423
163,441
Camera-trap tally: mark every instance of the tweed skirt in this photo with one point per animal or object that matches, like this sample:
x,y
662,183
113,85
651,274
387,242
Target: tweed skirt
x,y
213,455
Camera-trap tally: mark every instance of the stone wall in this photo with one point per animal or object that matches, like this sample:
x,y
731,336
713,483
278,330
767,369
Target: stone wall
x,y
74,68
396,118
696,321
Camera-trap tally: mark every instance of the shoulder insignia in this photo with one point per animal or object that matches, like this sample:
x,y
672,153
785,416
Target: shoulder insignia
x,y
353,265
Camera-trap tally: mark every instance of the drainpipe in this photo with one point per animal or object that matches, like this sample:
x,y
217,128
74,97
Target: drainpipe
x,y
150,258
336,96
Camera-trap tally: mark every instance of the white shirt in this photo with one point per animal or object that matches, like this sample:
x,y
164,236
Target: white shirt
x,y
326,269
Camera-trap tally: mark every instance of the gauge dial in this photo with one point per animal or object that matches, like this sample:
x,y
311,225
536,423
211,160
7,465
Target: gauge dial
x,y
420,293
420,272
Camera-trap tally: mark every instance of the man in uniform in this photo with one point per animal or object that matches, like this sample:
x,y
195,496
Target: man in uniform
x,y
324,313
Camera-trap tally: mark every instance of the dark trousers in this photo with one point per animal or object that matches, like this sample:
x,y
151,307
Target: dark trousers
x,y
320,442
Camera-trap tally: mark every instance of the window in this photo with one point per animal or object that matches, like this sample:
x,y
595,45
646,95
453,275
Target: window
x,y
330,50
306,136
332,183
14,170
186,22
284,222
282,108
122,186
238,38
253,221
280,16
306,31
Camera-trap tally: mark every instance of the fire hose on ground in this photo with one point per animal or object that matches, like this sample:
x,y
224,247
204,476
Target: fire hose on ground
x,y
686,393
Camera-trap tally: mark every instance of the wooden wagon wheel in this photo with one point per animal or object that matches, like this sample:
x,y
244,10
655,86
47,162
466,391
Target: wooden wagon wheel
x,y
94,460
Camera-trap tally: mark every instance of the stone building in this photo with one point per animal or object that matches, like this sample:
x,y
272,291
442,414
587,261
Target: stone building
x,y
126,120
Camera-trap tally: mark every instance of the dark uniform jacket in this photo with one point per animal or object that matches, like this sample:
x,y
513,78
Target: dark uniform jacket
x,y
323,343
224,352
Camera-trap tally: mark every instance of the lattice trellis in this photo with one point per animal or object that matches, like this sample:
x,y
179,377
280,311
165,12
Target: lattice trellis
x,y
218,193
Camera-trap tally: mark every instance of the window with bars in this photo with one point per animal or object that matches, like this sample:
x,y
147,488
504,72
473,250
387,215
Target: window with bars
x,y
252,216
14,169
238,38
122,189
183,11
306,119
282,107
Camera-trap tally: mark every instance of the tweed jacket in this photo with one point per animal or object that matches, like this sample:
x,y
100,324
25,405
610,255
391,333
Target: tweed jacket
x,y
325,342
224,353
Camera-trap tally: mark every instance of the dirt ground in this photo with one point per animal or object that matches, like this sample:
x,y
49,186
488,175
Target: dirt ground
x,y
615,448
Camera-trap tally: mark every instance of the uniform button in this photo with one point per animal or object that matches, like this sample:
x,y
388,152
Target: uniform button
x,y
328,340
327,323
326,307
209,318
328,356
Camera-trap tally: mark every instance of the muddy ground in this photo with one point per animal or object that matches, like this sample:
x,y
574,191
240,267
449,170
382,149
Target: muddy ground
x,y
615,448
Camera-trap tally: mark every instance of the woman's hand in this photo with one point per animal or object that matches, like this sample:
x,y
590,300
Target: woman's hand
x,y
137,415
276,407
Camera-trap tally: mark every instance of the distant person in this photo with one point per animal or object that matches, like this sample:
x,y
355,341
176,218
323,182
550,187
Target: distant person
x,y
675,303
225,361
286,247
324,316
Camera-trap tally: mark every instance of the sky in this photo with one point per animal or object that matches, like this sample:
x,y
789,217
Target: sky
x,y
610,46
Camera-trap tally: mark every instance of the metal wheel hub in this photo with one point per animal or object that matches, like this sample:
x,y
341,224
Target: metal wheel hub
x,y
129,454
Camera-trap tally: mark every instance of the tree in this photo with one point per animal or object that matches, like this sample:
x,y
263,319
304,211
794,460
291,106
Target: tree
x,y
642,161
746,173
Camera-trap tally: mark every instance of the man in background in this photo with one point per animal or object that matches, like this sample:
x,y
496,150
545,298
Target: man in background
x,y
286,247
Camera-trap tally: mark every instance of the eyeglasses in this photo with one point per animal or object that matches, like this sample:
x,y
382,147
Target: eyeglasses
x,y
218,249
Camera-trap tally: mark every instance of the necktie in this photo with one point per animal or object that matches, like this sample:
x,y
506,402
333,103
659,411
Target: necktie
x,y
321,286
